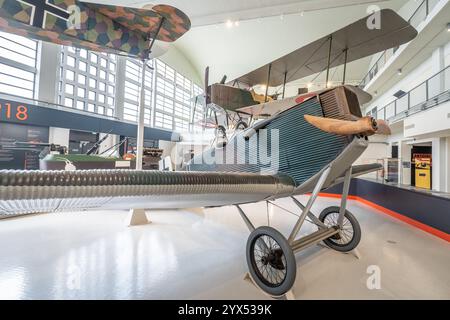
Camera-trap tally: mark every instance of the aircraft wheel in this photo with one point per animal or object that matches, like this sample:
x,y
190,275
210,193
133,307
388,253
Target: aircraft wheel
x,y
221,137
349,235
271,261
241,125
221,131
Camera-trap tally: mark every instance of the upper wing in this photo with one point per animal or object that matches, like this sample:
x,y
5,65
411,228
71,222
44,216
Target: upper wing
x,y
95,27
357,39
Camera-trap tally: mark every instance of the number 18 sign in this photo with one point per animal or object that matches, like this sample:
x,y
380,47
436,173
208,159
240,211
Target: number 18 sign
x,y
10,111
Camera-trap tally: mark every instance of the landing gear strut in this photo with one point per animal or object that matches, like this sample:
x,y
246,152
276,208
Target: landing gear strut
x,y
270,256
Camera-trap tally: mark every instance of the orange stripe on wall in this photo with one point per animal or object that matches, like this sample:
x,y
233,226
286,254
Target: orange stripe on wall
x,y
412,222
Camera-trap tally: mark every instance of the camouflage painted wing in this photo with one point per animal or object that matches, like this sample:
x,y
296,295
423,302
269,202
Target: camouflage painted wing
x,y
176,23
75,23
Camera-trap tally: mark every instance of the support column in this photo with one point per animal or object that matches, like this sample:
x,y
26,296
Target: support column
x,y
438,64
405,156
120,86
447,165
47,82
439,164
141,120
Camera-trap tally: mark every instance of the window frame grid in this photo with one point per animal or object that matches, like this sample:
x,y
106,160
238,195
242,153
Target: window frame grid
x,y
76,54
137,83
18,66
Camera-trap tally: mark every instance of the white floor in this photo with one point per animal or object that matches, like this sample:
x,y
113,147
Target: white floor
x,y
194,255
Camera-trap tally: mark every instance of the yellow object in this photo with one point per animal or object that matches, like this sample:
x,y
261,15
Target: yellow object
x,y
261,98
423,174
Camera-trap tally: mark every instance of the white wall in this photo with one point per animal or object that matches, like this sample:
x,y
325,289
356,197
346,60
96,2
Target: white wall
x,y
433,121
177,60
419,75
431,126
435,63
59,136
108,143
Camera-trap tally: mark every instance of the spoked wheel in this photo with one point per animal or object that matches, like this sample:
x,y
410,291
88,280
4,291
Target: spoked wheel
x,y
221,137
271,261
349,235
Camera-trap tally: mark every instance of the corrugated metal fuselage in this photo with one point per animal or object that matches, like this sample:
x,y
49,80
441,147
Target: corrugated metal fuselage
x,y
294,154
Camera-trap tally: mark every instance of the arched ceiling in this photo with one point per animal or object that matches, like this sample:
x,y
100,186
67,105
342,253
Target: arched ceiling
x,y
266,30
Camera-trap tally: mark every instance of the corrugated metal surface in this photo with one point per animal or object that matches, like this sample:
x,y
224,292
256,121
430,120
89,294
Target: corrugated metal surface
x,y
303,149
50,191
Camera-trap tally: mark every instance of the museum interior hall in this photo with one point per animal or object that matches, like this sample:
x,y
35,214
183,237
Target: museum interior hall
x,y
225,150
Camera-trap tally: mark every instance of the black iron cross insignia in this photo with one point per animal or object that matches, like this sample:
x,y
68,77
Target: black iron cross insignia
x,y
40,10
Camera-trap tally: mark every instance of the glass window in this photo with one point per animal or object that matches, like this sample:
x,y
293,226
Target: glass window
x,y
87,82
133,73
82,79
69,89
70,75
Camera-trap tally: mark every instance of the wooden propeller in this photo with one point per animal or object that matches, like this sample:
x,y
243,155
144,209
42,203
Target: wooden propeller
x,y
365,126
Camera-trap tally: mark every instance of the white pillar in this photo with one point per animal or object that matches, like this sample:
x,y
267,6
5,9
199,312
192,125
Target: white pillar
x,y
405,155
48,73
141,123
439,164
447,165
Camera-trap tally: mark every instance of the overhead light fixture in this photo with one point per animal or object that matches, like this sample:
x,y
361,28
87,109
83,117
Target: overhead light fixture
x,y
329,84
399,94
236,23
448,27
309,85
229,24
399,72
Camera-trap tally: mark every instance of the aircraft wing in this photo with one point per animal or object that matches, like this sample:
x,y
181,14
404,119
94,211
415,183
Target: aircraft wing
x,y
357,39
103,28
23,192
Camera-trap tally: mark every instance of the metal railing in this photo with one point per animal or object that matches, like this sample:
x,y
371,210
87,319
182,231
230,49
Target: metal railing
x,y
419,15
428,94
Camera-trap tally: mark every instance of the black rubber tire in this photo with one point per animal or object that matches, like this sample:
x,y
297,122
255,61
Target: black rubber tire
x,y
241,125
274,290
331,242
221,130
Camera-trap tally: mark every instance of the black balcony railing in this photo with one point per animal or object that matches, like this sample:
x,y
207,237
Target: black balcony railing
x,y
428,94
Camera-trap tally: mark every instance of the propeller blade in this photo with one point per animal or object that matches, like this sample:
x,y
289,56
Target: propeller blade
x,y
383,127
366,126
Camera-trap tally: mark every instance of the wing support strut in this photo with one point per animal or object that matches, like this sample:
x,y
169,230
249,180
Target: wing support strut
x,y
268,83
329,60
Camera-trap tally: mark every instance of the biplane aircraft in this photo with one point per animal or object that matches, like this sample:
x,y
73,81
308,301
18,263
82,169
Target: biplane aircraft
x,y
318,139
235,105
